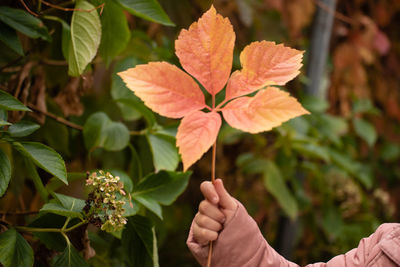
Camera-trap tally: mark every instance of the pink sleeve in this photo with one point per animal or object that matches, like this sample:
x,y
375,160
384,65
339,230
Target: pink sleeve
x,y
241,244
382,248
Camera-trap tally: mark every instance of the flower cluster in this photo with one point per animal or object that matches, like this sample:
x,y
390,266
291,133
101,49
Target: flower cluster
x,y
104,206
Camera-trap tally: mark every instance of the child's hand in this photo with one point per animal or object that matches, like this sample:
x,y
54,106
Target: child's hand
x,y
217,208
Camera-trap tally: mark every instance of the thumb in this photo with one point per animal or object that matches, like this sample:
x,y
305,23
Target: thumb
x,y
225,200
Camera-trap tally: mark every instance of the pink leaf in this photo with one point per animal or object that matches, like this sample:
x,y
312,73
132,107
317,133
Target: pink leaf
x,y
264,63
196,134
267,109
164,88
206,50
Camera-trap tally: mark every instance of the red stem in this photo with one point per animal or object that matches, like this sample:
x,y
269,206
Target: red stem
x,y
213,160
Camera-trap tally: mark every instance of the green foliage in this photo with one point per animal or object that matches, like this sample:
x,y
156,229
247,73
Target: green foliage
x,y
70,258
44,157
115,32
85,38
14,250
43,153
24,23
65,206
8,102
147,9
10,38
100,131
160,188
365,130
5,172
23,128
139,238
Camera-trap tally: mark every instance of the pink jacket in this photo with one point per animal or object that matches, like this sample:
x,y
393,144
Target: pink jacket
x,y
241,244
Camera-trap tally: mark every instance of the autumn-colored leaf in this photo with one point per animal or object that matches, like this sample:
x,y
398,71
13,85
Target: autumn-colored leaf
x,y
164,88
264,63
196,134
206,50
267,109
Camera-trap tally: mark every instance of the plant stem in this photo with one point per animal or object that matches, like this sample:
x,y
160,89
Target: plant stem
x,y
34,229
214,155
66,223
57,118
213,160
54,230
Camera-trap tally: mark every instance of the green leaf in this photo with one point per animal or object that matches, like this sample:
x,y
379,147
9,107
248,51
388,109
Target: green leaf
x,y
31,169
100,131
150,204
147,9
93,128
352,167
65,39
315,104
364,105
5,172
130,210
115,33
120,91
312,150
70,258
44,157
390,151
56,208
8,102
14,250
85,38
365,130
164,187
138,239
137,105
274,183
4,123
10,38
250,164
24,22
165,153
331,127
23,128
116,136
65,206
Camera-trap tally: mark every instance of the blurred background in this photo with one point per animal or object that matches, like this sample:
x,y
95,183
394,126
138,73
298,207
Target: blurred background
x,y
315,185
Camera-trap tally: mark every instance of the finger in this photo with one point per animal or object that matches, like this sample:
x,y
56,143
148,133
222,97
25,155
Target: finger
x,y
208,190
207,222
212,211
225,200
202,235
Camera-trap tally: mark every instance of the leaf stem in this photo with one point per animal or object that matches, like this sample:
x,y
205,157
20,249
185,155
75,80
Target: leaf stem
x,y
53,230
213,160
66,223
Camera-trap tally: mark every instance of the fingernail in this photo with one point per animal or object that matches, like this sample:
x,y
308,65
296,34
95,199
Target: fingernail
x,y
215,200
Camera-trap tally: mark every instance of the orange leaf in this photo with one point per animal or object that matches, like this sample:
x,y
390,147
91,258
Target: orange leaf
x,y
164,88
196,134
264,63
267,109
206,50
